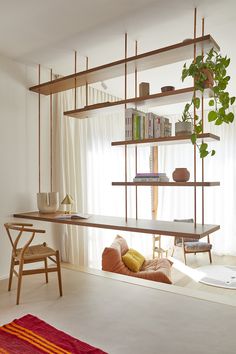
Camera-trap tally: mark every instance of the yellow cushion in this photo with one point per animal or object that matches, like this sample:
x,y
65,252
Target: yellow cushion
x,y
133,260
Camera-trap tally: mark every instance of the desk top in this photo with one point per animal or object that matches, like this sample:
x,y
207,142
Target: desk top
x,y
168,228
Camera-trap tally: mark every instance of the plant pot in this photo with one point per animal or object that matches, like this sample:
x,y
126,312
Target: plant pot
x,y
209,82
181,175
183,128
48,202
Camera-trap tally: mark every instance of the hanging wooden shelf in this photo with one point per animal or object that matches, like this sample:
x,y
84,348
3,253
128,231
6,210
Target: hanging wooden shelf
x,y
168,184
153,59
155,100
169,140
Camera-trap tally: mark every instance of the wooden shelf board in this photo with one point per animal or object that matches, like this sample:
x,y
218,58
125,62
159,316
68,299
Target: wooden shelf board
x,y
156,58
154,100
168,184
117,223
180,139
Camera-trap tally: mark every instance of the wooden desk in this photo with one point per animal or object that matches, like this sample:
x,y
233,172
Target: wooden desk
x,y
167,228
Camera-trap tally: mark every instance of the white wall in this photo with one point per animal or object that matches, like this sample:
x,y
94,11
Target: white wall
x,y
19,151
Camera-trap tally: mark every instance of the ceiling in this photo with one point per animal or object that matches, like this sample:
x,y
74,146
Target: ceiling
x,y
48,31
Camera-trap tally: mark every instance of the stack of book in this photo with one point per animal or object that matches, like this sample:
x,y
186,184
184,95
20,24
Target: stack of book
x,y
140,125
151,177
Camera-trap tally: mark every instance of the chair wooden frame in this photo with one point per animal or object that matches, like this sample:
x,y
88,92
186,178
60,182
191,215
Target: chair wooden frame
x,y
19,256
195,251
158,248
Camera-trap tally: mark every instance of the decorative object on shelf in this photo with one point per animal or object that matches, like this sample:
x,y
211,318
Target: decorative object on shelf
x,y
209,70
183,128
167,88
187,40
185,125
140,125
68,201
208,82
151,177
181,175
48,202
144,88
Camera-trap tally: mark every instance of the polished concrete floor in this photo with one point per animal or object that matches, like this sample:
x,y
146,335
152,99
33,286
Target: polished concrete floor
x,y
122,317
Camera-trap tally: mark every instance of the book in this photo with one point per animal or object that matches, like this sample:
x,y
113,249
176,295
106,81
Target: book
x,y
136,127
129,123
151,179
151,174
72,216
157,127
150,121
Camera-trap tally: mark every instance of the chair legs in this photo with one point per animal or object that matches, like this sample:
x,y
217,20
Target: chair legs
x,y
59,272
46,269
11,274
210,256
21,264
20,275
185,260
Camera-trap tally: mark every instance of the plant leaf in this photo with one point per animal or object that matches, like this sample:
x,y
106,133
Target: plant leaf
x,y
230,117
212,115
232,100
211,103
213,152
218,121
203,146
193,138
196,102
203,154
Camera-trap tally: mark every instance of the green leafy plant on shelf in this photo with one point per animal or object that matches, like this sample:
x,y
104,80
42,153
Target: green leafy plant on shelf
x,y
209,72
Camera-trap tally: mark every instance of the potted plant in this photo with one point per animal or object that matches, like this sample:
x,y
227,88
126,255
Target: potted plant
x,y
209,71
185,125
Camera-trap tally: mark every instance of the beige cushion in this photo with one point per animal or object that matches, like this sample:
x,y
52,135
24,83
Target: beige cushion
x,y
36,252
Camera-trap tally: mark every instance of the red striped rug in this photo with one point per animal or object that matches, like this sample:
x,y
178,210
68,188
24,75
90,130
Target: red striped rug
x,y
30,335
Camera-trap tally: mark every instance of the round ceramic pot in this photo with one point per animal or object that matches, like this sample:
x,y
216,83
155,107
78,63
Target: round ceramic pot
x,y
181,175
183,128
48,202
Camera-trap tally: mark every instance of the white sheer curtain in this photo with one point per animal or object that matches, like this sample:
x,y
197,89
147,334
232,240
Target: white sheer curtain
x,y
86,166
220,202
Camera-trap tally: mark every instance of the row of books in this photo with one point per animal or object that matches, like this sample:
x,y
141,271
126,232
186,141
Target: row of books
x,y
151,177
140,125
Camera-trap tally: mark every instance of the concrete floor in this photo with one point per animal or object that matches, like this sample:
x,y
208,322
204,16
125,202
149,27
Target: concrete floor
x,y
121,317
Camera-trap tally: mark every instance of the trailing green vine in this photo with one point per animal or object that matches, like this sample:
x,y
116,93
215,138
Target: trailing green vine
x,y
209,72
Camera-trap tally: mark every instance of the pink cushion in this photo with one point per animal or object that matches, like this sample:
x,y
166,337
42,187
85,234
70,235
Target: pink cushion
x,y
157,269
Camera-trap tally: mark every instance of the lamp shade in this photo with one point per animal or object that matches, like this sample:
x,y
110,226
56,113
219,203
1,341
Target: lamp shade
x,y
67,200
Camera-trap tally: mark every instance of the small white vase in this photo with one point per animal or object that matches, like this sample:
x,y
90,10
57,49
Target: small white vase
x,y
48,202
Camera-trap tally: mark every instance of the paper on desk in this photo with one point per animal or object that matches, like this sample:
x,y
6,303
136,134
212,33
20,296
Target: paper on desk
x,y
72,216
